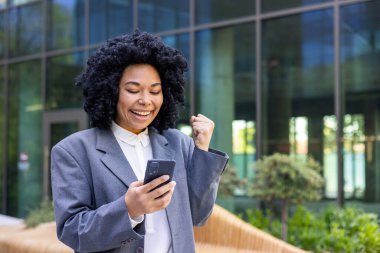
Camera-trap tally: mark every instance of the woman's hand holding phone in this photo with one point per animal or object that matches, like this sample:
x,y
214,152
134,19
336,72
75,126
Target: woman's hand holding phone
x,y
144,198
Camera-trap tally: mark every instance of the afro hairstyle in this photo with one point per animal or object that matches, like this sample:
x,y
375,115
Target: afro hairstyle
x,y
100,79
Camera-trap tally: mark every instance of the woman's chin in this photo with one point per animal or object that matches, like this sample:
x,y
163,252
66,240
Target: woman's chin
x,y
139,127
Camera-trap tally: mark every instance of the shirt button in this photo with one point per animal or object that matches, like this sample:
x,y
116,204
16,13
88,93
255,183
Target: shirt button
x,y
139,250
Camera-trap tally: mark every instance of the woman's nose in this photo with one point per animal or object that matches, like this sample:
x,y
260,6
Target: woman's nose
x,y
144,99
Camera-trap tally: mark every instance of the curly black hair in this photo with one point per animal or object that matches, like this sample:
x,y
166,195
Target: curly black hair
x,y
100,80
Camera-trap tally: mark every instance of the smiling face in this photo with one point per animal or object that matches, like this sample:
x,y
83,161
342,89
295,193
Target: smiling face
x,y
140,97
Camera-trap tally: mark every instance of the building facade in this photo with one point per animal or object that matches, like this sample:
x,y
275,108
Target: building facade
x,y
295,77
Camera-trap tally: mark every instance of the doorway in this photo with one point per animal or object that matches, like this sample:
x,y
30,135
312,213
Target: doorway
x,y
56,126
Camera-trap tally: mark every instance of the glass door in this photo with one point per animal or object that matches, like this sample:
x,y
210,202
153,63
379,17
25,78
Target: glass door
x,y
57,126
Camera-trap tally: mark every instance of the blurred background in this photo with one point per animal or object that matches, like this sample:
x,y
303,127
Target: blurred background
x,y
289,76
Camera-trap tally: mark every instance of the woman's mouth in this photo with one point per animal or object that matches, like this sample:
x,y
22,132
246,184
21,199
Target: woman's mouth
x,y
141,113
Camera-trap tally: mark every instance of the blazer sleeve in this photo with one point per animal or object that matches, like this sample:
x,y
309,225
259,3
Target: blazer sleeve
x,y
79,225
205,169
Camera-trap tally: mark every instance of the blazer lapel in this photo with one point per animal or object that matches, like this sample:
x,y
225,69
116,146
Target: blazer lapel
x,y
160,146
114,158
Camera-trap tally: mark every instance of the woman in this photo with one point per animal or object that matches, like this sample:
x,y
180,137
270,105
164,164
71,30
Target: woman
x,y
133,89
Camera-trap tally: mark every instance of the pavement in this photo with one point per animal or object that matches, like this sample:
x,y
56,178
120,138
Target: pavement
x,y
8,220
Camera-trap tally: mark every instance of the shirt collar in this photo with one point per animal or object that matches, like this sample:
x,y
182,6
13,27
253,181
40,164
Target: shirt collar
x,y
129,137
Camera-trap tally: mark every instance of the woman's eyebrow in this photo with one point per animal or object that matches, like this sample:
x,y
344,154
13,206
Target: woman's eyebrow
x,y
138,84
132,82
155,84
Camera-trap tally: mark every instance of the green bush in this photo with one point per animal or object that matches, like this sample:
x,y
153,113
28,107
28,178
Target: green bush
x,y
230,182
264,221
45,213
286,180
348,230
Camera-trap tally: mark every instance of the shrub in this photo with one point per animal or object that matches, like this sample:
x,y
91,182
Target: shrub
x,y
348,230
230,182
284,179
45,213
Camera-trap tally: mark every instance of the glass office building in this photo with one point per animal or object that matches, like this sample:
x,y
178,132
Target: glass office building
x,y
296,77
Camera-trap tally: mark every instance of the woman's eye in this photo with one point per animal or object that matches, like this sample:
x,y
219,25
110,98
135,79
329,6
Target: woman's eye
x,y
155,92
132,91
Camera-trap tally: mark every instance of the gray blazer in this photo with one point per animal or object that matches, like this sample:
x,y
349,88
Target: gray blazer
x,y
90,176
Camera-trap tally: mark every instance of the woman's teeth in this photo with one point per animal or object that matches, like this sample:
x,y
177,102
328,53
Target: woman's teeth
x,y
141,113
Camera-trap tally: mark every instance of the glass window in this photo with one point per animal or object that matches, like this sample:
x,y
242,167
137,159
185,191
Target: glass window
x,y
2,120
65,26
61,91
298,137
19,2
181,42
109,18
360,64
92,51
25,33
329,160
24,137
225,90
216,10
2,34
274,5
298,87
163,15
354,156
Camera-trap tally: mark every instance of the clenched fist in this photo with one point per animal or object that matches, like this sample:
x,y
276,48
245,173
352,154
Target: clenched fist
x,y
202,131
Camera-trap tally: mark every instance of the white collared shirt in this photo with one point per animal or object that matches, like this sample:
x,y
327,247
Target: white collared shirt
x,y
138,150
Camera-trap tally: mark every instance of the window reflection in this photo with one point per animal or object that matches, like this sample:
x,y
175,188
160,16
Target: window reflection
x,y
225,90
109,18
2,121
298,89
299,137
360,64
19,2
24,137
181,42
65,23
25,34
163,15
217,10
330,165
243,148
61,91
354,156
2,34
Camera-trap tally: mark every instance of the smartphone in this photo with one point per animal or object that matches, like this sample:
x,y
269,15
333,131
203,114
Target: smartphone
x,y
156,168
